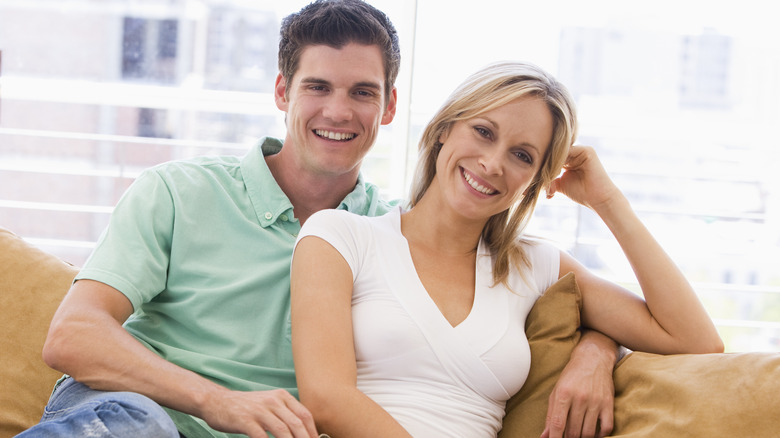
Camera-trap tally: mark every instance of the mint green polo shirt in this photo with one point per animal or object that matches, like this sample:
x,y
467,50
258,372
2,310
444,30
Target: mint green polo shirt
x,y
202,250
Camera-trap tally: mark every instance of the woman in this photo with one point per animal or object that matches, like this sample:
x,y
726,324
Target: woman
x,y
412,324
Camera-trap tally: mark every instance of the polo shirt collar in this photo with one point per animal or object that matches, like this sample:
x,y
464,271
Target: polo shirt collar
x,y
268,199
361,200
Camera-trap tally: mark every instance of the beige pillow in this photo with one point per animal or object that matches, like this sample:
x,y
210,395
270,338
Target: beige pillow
x,y
552,328
687,395
32,284
705,395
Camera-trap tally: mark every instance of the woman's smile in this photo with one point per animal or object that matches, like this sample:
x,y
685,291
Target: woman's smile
x,y
477,184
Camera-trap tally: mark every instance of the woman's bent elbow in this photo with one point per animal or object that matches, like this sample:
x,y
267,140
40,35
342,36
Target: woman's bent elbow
x,y
717,346
708,345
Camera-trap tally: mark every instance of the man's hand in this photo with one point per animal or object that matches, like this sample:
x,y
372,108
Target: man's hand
x,y
581,404
88,342
255,413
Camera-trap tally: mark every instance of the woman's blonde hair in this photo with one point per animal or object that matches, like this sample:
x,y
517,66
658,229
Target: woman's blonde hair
x,y
489,88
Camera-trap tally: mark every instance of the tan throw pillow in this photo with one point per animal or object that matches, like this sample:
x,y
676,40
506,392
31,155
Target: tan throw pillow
x,y
552,328
698,395
32,284
686,395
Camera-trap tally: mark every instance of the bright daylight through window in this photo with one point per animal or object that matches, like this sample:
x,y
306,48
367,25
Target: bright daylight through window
x,y
681,101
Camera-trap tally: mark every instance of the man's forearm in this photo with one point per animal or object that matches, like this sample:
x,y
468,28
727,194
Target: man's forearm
x,y
88,342
600,346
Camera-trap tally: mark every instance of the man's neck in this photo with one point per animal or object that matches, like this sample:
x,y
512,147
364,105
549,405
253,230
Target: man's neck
x,y
307,192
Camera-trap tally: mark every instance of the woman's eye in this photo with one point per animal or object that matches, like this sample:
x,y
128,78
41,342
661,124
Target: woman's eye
x,y
522,155
482,131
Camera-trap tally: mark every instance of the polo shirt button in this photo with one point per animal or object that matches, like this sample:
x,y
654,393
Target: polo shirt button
x,y
283,217
268,215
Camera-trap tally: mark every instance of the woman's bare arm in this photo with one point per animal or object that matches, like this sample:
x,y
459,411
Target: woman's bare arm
x,y
323,347
670,319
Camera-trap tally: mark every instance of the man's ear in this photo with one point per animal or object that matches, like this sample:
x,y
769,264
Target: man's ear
x,y
391,107
280,93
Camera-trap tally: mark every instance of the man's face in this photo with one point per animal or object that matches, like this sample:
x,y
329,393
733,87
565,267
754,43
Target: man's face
x,y
335,104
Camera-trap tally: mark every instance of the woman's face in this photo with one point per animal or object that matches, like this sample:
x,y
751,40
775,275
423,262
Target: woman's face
x,y
487,162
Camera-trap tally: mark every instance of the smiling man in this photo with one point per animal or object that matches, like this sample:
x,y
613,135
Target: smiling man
x,y
335,104
179,321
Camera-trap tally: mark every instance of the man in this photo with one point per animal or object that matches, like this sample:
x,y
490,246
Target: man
x,y
179,321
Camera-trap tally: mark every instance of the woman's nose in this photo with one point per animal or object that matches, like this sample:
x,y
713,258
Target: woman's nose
x,y
491,162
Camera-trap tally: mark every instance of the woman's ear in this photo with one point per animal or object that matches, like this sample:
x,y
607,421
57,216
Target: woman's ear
x,y
443,136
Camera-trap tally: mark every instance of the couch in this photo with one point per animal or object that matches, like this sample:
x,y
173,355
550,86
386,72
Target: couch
x,y
711,395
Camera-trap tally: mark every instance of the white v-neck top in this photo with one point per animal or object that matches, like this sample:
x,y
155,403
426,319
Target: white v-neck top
x,y
436,380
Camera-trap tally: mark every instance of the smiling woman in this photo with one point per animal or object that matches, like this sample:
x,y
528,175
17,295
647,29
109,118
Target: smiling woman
x,y
450,281
679,99
497,154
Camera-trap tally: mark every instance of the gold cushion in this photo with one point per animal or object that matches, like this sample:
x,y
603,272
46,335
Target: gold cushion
x,y
698,395
552,331
685,395
32,284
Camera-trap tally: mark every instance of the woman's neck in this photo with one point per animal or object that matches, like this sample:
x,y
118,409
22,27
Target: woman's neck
x,y
434,226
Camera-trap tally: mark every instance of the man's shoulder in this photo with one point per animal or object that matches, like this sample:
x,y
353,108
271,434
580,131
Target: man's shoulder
x,y
199,162
368,200
195,168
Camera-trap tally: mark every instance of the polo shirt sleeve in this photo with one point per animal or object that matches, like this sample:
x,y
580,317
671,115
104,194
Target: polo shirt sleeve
x,y
342,230
133,252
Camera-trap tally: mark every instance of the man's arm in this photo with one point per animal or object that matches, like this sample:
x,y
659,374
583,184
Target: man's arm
x,y
582,401
87,341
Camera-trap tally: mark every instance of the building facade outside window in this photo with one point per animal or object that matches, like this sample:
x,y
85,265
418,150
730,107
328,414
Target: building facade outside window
x,y
680,100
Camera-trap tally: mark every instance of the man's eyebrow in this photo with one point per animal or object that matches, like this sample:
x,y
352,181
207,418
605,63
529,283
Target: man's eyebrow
x,y
319,81
367,84
313,80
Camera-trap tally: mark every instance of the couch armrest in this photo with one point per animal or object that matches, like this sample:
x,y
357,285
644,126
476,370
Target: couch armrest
x,y
32,284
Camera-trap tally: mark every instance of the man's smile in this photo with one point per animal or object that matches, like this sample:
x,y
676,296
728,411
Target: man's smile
x,y
338,136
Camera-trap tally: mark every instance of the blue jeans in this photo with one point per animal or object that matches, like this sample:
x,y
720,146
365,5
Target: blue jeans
x,y
75,410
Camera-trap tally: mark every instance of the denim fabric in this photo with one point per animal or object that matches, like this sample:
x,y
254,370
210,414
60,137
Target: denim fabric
x,y
75,410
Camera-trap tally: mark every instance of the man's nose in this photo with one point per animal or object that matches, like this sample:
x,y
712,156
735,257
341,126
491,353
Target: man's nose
x,y
338,108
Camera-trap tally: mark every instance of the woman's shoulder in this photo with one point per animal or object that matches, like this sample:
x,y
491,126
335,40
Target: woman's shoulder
x,y
342,221
337,216
533,245
543,257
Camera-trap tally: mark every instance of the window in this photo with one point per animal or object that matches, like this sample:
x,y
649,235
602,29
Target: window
x,y
149,49
680,100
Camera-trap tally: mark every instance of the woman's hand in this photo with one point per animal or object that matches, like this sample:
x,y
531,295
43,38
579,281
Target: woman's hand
x,y
582,402
584,179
